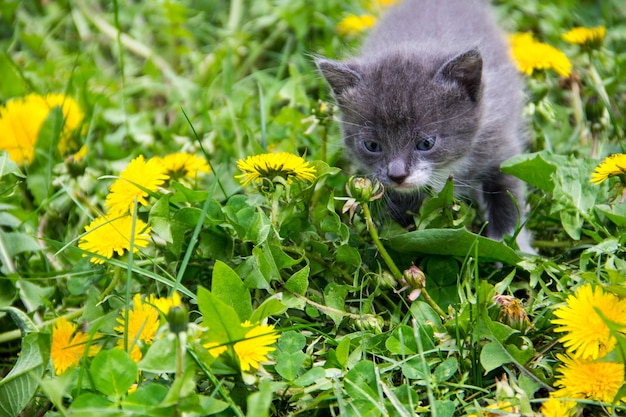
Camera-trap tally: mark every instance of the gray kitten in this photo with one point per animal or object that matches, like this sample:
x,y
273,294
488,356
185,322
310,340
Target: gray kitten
x,y
433,93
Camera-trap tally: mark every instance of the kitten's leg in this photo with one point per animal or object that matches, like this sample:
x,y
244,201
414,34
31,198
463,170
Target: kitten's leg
x,y
503,212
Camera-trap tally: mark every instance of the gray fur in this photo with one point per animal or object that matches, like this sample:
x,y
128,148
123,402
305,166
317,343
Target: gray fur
x,y
434,69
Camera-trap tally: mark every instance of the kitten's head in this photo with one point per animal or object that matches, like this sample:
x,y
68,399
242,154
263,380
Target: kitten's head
x,y
408,121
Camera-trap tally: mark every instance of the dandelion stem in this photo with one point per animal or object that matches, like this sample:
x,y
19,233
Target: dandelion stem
x,y
371,227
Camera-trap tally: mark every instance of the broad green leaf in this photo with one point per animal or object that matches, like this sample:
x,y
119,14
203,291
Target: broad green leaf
x,y
446,369
444,408
402,341
16,243
269,307
93,403
343,351
453,242
20,384
22,320
532,168
229,288
146,396
222,320
32,295
493,355
113,372
260,402
289,356
310,377
161,357
289,365
360,382
335,297
160,218
299,282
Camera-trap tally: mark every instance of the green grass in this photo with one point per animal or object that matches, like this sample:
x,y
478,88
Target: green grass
x,y
230,79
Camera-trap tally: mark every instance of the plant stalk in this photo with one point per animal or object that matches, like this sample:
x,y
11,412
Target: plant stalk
x,y
371,227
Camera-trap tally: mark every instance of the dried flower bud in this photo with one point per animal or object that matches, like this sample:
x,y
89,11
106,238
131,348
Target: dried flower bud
x,y
511,312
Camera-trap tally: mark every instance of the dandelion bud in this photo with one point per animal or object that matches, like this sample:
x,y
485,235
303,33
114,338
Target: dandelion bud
x,y
363,190
594,110
178,319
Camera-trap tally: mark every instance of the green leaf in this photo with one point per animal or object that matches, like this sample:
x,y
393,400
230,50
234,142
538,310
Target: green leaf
x,y
269,307
222,320
113,372
402,341
8,167
299,282
361,382
310,377
161,357
145,397
532,168
260,402
22,320
493,355
21,383
93,403
16,243
229,288
445,370
343,351
289,357
160,218
453,242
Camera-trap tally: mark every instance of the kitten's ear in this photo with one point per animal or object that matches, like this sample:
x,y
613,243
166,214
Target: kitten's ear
x,y
339,75
466,71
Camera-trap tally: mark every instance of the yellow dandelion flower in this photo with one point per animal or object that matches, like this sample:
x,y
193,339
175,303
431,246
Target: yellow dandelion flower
x,y
107,235
215,349
585,36
352,24
164,304
270,165
612,166
21,120
138,175
183,164
555,407
256,345
598,381
499,408
81,153
68,345
72,114
143,323
587,334
530,55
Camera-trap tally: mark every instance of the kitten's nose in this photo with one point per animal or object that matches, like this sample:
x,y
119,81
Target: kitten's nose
x,y
397,172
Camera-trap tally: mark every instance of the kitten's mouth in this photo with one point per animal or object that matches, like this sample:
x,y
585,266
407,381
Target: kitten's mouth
x,y
404,187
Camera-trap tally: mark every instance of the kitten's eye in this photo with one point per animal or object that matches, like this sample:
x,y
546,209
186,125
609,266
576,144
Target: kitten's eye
x,y
425,144
372,146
